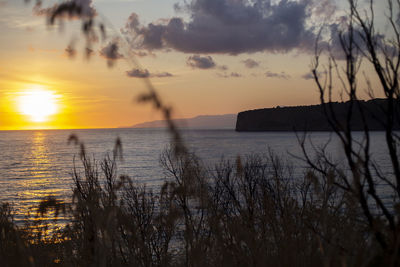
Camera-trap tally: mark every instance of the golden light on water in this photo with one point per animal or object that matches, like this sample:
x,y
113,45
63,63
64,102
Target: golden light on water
x,y
43,182
38,104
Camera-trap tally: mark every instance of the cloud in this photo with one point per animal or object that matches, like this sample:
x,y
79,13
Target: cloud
x,y
310,76
232,74
110,52
200,62
138,73
144,73
162,75
230,27
324,8
251,63
235,74
281,75
339,32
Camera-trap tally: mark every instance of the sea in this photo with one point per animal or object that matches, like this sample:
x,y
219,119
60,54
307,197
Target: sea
x,y
38,163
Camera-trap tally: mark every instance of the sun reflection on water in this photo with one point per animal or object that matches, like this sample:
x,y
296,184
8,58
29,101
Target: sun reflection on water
x,y
39,184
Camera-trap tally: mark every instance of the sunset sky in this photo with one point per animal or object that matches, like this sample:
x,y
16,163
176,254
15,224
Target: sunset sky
x,y
204,57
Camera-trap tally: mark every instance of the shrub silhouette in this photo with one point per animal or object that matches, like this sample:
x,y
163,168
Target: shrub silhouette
x,y
250,212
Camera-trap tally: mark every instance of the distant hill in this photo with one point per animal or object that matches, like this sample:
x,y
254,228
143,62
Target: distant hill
x,y
226,121
312,118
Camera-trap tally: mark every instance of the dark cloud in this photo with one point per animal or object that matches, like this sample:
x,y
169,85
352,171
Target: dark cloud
x,y
339,33
281,75
132,23
232,27
110,52
144,73
162,75
232,74
138,73
200,62
235,74
251,63
310,76
149,37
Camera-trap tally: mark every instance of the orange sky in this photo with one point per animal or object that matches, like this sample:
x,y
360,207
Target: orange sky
x,y
92,95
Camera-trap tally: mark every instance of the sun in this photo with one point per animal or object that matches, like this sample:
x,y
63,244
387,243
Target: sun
x,y
38,104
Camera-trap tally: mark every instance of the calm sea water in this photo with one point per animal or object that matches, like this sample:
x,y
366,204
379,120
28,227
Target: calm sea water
x,y
34,164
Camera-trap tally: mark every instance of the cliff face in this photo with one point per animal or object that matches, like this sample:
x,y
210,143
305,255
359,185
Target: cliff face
x,y
312,118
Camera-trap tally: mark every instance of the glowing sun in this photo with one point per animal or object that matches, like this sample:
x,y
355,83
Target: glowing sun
x,y
38,104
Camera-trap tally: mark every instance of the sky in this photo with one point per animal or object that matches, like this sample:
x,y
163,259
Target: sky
x,y
204,57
